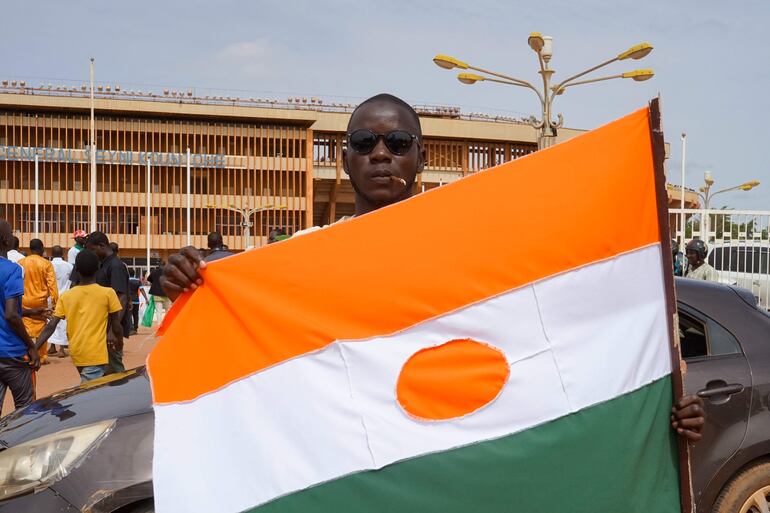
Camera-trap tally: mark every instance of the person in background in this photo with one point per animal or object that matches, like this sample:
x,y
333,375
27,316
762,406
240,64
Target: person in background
x,y
87,309
162,303
18,357
63,270
134,289
276,235
678,258
127,315
14,255
697,267
113,274
40,289
80,243
217,249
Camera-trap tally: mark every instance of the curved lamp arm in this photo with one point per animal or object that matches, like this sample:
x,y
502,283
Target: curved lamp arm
x,y
510,80
558,89
582,73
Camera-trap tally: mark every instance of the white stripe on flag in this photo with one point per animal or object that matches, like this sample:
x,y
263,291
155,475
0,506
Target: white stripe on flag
x,y
332,413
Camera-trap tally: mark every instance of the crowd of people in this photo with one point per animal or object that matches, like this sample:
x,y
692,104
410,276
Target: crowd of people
x,y
83,307
81,304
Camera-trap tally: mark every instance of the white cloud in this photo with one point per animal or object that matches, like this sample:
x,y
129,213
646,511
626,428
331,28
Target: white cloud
x,y
260,58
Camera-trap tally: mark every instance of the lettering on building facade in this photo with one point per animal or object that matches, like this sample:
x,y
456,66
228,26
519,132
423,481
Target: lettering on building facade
x,y
129,158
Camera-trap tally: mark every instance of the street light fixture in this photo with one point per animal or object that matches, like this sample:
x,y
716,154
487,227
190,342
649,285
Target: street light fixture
x,y
447,62
707,196
246,214
535,41
636,52
469,78
543,46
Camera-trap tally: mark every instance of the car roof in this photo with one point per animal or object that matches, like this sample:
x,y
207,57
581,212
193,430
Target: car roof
x,y
708,296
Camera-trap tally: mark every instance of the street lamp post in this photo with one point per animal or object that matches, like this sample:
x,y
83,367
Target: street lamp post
x,y
92,148
37,197
543,46
189,200
148,203
246,214
706,195
681,199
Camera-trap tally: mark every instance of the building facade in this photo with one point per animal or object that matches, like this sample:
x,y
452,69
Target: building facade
x,y
281,158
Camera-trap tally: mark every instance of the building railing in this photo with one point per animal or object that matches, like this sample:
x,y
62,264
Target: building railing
x,y
198,96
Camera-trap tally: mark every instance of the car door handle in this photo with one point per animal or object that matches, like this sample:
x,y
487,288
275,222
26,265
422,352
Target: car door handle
x,y
734,388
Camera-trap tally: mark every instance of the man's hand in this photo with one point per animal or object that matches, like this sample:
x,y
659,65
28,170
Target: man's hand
x,y
688,417
110,338
34,359
181,272
114,342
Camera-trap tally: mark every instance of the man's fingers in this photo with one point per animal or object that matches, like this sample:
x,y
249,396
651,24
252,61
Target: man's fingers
x,y
187,267
688,400
169,285
696,423
191,260
191,252
693,410
171,290
692,436
178,272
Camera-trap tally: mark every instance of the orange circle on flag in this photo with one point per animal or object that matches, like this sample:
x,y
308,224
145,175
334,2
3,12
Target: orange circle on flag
x,y
451,380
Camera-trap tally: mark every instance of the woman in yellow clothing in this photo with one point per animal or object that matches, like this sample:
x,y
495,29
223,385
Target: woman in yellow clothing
x,y
88,308
39,287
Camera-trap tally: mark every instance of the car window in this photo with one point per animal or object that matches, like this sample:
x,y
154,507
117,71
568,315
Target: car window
x,y
692,337
701,336
720,340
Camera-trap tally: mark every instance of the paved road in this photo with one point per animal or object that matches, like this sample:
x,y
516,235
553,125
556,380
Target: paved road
x,y
61,374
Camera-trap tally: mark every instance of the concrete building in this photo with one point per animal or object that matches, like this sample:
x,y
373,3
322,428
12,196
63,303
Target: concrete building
x,y
280,156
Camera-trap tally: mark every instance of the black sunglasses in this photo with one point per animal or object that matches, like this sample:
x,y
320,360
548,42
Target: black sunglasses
x,y
398,142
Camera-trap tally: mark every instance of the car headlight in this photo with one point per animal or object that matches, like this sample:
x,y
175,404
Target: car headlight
x,y
37,463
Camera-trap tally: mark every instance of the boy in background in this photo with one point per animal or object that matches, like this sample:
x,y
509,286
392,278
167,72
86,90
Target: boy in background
x,y
88,308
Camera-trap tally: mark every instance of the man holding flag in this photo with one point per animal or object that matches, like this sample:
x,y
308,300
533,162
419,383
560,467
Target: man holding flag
x,y
383,156
370,172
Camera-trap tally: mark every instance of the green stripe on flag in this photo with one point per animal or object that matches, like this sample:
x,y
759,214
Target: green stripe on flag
x,y
618,456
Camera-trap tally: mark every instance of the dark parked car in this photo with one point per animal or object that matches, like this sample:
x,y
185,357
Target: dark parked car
x,y
90,448
725,342
98,436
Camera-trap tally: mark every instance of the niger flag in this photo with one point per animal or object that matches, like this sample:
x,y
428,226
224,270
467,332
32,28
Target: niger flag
x,y
499,344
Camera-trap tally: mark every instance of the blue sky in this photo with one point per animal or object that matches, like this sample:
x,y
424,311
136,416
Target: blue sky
x,y
711,59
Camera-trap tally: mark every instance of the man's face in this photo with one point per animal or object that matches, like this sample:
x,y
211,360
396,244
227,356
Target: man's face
x,y
370,173
692,257
80,241
99,250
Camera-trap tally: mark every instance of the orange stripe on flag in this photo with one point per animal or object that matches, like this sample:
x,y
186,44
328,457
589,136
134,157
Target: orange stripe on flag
x,y
582,201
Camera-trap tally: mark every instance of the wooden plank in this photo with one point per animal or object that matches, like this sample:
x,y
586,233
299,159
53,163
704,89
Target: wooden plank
x,y
678,369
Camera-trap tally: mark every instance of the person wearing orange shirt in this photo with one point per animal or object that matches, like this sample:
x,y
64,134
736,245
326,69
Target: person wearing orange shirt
x,y
39,287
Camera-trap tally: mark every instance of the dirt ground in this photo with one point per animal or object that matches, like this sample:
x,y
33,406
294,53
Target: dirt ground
x,y
61,374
